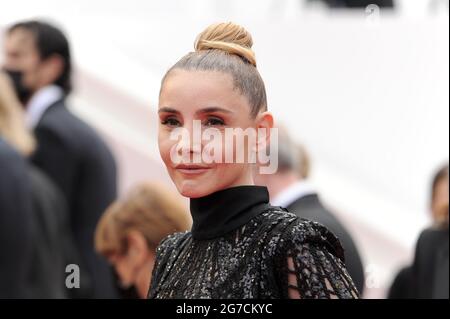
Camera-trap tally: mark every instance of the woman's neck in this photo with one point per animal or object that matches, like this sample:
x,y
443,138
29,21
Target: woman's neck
x,y
227,209
243,180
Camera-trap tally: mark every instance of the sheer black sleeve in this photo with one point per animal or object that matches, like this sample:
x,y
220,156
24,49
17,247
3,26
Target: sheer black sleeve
x,y
310,264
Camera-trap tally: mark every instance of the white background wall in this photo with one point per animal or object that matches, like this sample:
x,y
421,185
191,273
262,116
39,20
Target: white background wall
x,y
368,98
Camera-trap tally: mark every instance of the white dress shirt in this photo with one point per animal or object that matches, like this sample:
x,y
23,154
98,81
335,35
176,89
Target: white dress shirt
x,y
40,102
292,193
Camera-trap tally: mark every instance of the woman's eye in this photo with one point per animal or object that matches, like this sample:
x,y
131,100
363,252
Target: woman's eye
x,y
170,122
213,121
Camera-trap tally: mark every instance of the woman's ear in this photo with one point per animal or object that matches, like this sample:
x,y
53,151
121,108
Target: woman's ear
x,y
264,124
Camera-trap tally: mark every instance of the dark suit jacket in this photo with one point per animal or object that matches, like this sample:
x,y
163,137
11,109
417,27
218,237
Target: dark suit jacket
x,y
15,225
46,276
311,208
53,244
430,269
402,286
81,165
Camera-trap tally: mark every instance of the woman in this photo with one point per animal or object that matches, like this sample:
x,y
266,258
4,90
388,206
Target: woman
x,y
239,245
131,229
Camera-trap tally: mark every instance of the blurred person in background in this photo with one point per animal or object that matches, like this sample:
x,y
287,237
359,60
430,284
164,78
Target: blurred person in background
x,y
289,187
428,276
131,229
38,59
15,226
439,198
342,4
52,244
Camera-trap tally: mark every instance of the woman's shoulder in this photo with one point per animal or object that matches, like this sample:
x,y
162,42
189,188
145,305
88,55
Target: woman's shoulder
x,y
172,241
291,230
165,256
308,260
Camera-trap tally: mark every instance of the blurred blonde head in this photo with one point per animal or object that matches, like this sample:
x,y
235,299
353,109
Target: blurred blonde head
x,y
149,209
293,165
12,125
131,229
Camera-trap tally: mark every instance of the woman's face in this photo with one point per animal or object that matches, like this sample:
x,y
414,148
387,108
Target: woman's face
x,y
210,99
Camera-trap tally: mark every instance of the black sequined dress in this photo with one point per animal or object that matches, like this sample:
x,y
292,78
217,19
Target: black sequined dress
x,y
242,247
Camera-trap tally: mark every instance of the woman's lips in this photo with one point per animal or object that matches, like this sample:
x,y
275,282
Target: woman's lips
x,y
192,169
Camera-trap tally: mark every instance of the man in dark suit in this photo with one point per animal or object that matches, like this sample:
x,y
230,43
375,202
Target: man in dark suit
x,y
69,151
15,226
289,188
430,269
428,276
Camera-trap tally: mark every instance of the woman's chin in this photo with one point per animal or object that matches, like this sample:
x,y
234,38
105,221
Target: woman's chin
x,y
193,189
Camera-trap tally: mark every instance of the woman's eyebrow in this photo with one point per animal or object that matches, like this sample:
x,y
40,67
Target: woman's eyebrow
x,y
213,109
168,110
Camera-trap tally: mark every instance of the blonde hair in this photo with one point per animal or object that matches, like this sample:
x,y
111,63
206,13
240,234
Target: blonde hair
x,y
304,167
149,209
12,126
228,37
227,48
292,156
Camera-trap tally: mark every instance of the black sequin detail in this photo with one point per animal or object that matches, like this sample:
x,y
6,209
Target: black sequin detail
x,y
274,255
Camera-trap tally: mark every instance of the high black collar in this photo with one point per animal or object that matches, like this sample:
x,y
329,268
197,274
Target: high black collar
x,y
216,214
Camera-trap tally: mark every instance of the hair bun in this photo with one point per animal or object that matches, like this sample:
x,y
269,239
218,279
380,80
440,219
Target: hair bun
x,y
229,37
